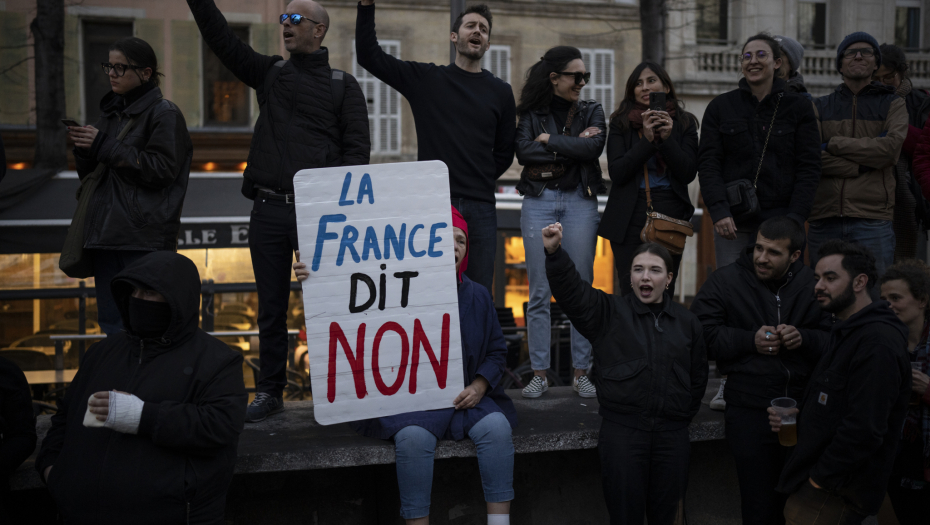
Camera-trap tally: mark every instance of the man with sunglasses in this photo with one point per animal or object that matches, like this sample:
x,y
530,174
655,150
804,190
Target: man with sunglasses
x,y
300,126
465,117
856,195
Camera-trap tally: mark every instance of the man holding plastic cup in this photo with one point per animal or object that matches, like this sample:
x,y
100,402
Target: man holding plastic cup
x,y
852,412
765,330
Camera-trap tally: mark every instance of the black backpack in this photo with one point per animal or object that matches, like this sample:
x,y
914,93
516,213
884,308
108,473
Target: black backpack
x,y
337,82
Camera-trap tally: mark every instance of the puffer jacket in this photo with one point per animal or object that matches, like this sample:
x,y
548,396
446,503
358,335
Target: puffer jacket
x,y
177,469
733,135
297,127
863,134
574,152
733,304
137,205
650,370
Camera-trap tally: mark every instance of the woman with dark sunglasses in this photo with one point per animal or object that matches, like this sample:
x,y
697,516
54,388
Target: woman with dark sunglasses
x,y
136,207
559,140
765,136
661,143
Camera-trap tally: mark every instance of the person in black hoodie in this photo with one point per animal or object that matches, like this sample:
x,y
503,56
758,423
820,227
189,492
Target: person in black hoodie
x,y
136,208
148,430
17,429
765,331
650,370
853,409
300,126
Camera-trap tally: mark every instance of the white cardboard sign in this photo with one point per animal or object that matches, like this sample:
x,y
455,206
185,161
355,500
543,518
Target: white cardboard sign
x,y
381,302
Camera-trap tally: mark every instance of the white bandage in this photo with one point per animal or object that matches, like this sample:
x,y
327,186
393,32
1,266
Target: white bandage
x,y
124,415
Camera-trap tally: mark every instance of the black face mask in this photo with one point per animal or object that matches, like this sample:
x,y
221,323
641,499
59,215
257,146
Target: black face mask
x,y
149,319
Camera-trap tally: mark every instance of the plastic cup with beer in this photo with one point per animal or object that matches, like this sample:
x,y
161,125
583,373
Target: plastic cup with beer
x,y
788,434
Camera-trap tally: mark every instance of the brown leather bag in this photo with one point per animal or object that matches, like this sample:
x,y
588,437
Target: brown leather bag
x,y
554,170
662,229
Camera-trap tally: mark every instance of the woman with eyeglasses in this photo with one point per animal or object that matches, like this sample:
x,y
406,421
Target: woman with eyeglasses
x,y
559,140
759,154
893,73
662,143
136,208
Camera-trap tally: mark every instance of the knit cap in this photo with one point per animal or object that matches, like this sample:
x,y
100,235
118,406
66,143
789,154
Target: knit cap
x,y
793,50
852,38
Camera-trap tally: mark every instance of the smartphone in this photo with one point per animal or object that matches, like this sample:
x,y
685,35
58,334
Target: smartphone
x,y
657,101
70,122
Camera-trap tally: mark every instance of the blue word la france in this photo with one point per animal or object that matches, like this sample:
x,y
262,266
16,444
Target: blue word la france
x,y
400,239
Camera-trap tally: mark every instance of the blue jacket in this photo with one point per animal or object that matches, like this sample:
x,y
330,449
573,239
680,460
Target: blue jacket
x,y
484,353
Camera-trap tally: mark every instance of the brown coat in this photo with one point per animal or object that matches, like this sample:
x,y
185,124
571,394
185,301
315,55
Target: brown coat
x,y
863,134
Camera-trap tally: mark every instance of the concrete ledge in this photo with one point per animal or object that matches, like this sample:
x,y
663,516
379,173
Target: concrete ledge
x,y
293,441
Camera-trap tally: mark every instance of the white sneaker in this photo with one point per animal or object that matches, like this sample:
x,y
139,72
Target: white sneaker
x,y
584,387
718,403
537,386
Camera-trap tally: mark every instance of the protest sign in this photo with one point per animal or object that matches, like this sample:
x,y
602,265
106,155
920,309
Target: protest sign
x,y
381,302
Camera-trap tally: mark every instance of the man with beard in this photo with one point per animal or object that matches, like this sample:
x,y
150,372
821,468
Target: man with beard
x,y
863,125
310,116
853,409
766,331
465,117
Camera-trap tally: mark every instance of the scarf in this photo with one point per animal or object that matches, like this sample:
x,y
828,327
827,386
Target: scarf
x,y
917,422
635,115
904,89
459,222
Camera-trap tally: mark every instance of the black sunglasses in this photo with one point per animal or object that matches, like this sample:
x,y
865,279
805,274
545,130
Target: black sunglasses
x,y
296,19
119,68
865,52
579,76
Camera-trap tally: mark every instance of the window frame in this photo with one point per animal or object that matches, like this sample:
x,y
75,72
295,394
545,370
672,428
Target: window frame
x,y
590,89
486,61
375,115
247,92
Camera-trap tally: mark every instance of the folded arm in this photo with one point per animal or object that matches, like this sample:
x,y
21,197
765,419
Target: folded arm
x,y
582,148
875,152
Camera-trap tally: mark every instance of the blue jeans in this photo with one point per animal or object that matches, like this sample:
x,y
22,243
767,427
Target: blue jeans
x,y
727,252
482,239
415,448
580,220
876,235
108,263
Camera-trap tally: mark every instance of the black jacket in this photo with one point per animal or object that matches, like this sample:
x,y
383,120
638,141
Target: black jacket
x,y
732,137
733,304
177,468
17,422
650,370
627,153
297,128
853,410
577,154
137,205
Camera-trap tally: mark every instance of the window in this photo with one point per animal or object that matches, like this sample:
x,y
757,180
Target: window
x,y
600,62
907,27
225,98
812,24
712,21
383,105
97,39
497,61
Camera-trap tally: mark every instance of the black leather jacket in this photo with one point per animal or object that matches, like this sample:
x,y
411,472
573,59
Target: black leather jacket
x,y
137,205
574,152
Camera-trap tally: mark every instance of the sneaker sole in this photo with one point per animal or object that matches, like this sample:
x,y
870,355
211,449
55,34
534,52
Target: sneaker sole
x,y
273,412
587,395
534,395
719,407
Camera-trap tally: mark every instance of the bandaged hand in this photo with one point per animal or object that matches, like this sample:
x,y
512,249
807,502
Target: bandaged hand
x,y
119,411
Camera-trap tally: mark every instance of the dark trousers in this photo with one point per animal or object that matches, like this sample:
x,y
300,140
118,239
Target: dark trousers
x,y
759,462
665,202
911,506
482,239
108,263
812,506
644,473
272,241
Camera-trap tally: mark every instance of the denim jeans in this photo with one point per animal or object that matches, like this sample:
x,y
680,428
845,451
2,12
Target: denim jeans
x,y
726,252
108,263
415,448
580,220
482,239
876,235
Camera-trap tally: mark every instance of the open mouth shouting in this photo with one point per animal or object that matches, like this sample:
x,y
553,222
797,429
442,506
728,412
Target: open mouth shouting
x,y
646,290
475,41
288,35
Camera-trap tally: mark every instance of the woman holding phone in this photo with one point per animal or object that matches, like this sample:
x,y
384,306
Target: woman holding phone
x,y
136,208
559,140
759,155
650,134
650,370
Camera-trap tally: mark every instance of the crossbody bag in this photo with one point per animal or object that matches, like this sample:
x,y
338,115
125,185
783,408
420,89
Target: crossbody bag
x,y
741,195
661,229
